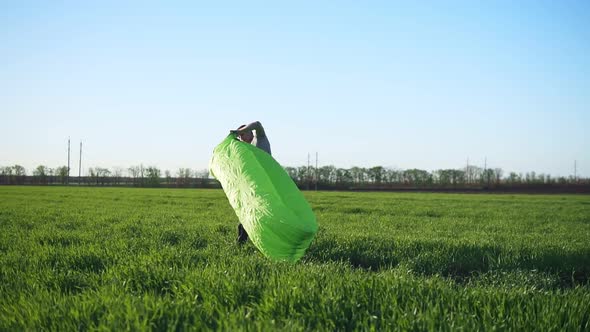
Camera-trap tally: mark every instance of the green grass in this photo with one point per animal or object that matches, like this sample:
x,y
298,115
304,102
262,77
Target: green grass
x,y
154,259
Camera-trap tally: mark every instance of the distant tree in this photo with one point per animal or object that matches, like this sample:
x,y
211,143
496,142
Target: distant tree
x,y
513,178
307,175
183,177
180,173
168,176
18,170
327,174
134,171
40,174
418,177
117,174
498,172
311,175
457,177
393,175
443,177
137,172
292,171
358,174
346,176
302,175
363,175
99,174
185,173
117,171
40,171
487,177
548,179
6,170
62,173
321,175
14,174
376,174
202,174
102,172
572,179
472,174
153,176
339,176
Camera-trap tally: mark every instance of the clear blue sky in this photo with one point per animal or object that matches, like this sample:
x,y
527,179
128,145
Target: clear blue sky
x,y
409,85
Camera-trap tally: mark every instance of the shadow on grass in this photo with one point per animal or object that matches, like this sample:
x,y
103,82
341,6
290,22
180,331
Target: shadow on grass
x,y
456,260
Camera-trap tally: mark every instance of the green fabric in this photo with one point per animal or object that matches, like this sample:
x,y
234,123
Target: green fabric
x,y
273,211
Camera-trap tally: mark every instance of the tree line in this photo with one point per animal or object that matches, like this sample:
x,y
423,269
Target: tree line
x,y
378,175
138,176
306,177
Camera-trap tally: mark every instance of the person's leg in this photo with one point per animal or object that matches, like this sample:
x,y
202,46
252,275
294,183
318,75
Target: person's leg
x,y
242,235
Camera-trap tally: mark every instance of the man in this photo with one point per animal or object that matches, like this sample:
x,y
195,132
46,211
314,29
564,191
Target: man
x,y
258,139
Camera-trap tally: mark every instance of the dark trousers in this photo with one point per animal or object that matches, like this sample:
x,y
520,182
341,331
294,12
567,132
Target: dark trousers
x,y
242,235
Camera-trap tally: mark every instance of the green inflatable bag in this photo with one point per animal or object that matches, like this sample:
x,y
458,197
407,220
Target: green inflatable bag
x,y
273,211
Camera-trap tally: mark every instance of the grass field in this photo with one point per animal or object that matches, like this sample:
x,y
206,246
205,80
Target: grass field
x,y
118,259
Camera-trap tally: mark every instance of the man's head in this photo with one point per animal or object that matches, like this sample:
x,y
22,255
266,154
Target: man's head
x,y
247,136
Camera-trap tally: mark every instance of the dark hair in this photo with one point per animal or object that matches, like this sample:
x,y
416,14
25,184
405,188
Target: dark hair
x,y
242,126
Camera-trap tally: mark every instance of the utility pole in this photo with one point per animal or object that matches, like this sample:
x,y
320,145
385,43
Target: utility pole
x,y
485,170
467,171
575,171
68,179
80,165
316,171
308,177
